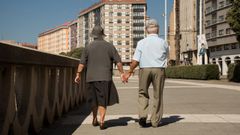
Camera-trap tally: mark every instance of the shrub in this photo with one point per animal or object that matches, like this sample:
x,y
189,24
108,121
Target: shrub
x,y
75,53
234,72
199,72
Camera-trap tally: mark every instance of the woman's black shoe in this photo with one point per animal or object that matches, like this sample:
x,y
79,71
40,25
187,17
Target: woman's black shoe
x,y
95,123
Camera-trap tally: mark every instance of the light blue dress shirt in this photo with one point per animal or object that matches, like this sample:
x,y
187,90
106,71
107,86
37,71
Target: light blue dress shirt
x,y
152,51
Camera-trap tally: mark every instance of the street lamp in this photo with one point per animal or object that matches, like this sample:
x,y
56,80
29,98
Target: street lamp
x,y
165,15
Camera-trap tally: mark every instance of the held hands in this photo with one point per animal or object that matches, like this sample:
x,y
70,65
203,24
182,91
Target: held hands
x,y
125,77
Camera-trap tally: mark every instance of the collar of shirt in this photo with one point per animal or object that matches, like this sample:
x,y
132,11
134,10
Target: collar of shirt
x,y
155,35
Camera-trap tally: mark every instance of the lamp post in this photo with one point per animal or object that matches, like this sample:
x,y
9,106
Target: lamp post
x,y
166,26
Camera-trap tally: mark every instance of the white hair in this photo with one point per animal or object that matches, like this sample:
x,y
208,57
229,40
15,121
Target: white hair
x,y
152,26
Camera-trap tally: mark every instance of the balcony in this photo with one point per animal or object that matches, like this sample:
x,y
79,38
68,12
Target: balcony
x,y
138,10
214,22
211,10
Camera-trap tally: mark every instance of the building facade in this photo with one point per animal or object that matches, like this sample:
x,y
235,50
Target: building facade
x,y
55,40
123,22
73,40
223,46
185,18
189,27
172,34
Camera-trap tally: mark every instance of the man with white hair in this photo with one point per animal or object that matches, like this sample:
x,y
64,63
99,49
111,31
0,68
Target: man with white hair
x,y
151,56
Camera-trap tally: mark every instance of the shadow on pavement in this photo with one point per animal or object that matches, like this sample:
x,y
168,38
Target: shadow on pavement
x,y
69,122
169,120
122,121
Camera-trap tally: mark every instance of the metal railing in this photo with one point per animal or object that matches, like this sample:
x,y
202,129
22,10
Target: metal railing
x,y
35,88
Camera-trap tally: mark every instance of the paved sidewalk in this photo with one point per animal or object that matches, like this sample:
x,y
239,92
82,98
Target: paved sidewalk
x,y
190,108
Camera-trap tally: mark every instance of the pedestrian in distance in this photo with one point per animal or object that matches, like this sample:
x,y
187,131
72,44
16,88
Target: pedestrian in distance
x,y
151,56
98,59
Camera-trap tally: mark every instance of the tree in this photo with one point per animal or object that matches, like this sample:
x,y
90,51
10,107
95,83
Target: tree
x,y
233,17
178,35
75,53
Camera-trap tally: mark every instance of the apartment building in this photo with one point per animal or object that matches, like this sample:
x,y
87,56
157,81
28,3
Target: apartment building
x,y
122,20
223,46
55,40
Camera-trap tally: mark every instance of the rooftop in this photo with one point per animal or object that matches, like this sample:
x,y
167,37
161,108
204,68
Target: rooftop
x,y
63,26
102,2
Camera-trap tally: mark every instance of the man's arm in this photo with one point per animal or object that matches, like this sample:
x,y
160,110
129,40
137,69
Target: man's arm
x,y
133,65
78,74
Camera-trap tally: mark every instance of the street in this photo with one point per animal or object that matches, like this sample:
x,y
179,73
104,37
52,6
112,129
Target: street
x,y
191,107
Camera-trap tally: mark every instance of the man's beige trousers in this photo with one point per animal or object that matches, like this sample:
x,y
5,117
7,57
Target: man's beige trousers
x,y
156,76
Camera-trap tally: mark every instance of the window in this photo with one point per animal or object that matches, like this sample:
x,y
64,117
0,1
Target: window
x,y
226,47
228,31
228,2
110,21
119,7
110,13
110,28
212,49
119,49
220,32
214,34
233,46
208,22
221,18
127,42
209,9
119,21
119,36
119,28
119,14
208,35
221,4
119,43
219,48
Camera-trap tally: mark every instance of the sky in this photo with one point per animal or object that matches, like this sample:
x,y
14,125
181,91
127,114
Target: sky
x,y
24,20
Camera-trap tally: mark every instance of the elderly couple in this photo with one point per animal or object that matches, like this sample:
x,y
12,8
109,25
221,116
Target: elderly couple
x,y
151,56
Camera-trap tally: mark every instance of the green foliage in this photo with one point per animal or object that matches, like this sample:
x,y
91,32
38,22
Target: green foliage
x,y
199,72
233,17
234,72
76,53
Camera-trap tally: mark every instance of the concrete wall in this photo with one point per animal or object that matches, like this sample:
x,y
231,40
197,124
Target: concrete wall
x,y
35,89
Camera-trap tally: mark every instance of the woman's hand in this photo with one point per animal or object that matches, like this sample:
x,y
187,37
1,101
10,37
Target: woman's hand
x,y
77,78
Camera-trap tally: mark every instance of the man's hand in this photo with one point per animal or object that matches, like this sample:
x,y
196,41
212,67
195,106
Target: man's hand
x,y
78,79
